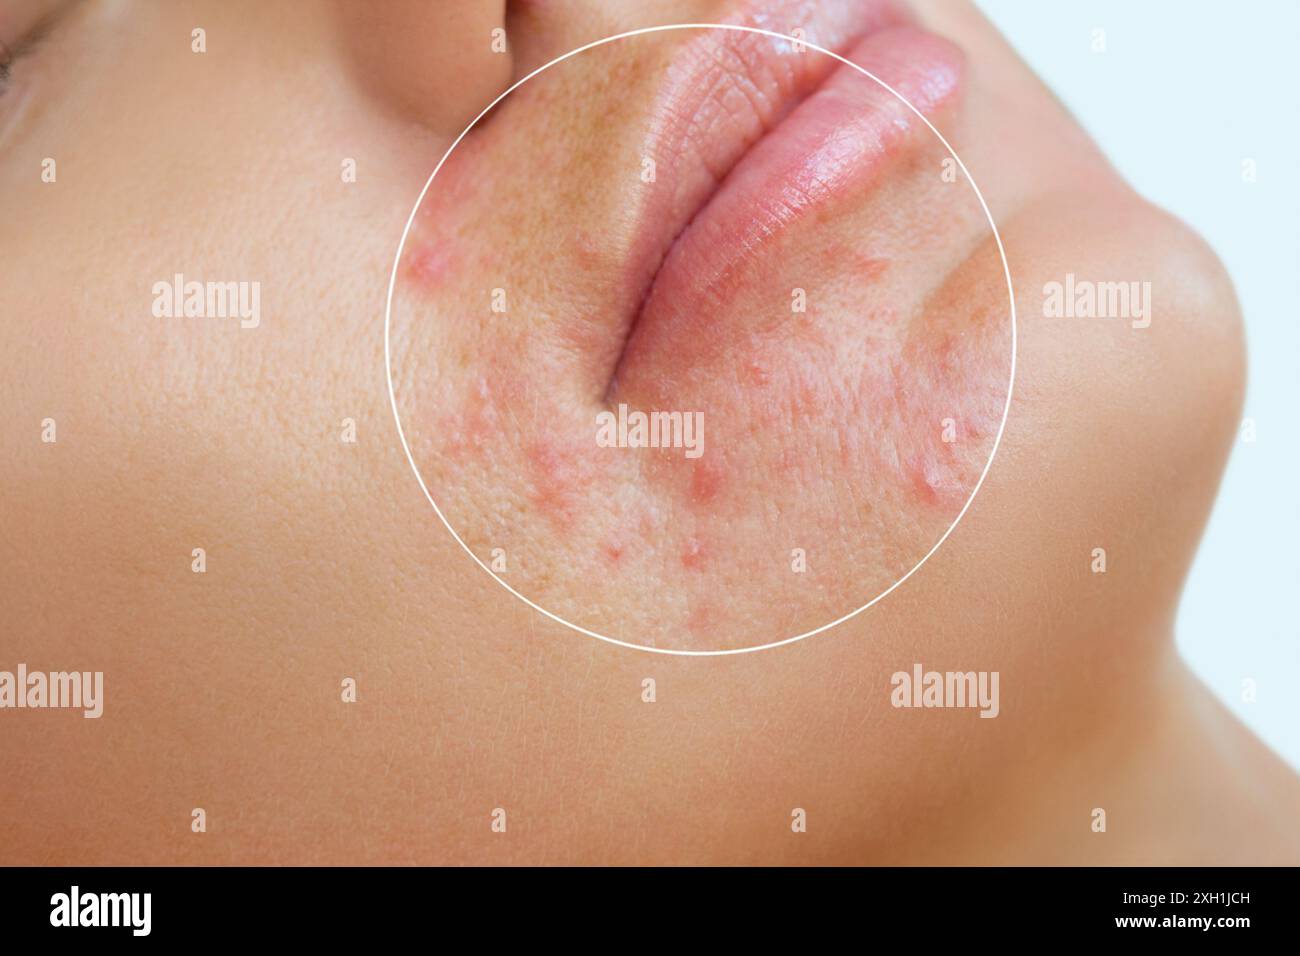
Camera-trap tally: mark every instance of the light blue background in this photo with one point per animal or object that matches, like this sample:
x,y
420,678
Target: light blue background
x,y
1185,92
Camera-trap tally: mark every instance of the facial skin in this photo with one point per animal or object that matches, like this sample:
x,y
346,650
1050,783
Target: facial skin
x,y
779,177
324,560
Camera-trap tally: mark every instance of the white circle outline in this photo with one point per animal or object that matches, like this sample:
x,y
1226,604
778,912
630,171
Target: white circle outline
x,y
388,363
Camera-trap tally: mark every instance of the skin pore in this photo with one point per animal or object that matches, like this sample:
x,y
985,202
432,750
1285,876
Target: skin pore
x,y
324,560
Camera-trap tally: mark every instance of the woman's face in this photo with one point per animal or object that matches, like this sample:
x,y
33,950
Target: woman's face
x,y
703,222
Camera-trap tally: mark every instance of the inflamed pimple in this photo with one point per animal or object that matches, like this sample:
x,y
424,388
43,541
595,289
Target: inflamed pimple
x,y
694,555
933,481
554,482
469,430
427,263
613,551
561,479
707,479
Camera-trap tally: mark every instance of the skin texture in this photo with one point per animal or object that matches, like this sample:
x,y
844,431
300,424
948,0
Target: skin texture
x,y
324,561
823,427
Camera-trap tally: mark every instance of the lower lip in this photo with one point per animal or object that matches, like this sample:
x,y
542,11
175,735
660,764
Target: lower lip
x,y
831,146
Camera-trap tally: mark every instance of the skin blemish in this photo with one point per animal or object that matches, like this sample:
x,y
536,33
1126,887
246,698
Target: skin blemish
x,y
706,481
871,267
861,265
693,555
613,552
934,480
467,432
559,473
556,482
757,375
428,264
922,478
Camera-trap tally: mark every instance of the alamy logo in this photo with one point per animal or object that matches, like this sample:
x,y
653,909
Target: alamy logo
x,y
1085,299
82,690
651,430
75,908
208,300
922,688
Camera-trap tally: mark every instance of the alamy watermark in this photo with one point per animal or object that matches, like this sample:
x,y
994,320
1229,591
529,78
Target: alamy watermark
x,y
1085,299
633,429
922,688
76,908
76,690
208,300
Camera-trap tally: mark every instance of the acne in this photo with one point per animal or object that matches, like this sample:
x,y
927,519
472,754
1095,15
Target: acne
x,y
707,479
694,555
756,375
466,432
428,264
557,481
931,481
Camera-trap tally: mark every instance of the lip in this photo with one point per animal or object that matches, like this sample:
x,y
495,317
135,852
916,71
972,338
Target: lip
x,y
768,136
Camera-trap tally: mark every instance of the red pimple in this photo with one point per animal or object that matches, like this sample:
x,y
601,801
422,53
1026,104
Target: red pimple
x,y
931,480
613,552
922,480
556,481
756,375
693,555
428,264
706,481
560,475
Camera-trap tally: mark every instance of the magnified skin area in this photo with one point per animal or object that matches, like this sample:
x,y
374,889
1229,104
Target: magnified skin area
x,y
325,562
800,272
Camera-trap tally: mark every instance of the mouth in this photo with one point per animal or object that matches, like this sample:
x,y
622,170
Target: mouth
x,y
758,133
